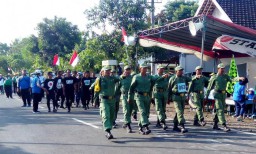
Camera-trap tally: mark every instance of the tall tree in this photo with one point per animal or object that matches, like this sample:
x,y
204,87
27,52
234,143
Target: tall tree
x,y
57,36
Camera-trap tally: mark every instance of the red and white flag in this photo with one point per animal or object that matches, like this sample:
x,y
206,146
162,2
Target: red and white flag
x,y
74,59
124,37
56,60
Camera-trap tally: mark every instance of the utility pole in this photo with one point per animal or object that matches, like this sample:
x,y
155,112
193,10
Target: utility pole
x,y
152,26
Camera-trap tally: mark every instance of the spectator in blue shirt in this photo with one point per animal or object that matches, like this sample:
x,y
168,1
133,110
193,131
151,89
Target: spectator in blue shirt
x,y
24,88
239,98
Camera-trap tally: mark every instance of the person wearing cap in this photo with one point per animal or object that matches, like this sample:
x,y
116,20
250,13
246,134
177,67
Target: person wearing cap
x,y
140,90
219,82
49,88
85,85
36,91
177,93
24,88
107,98
196,87
160,95
124,84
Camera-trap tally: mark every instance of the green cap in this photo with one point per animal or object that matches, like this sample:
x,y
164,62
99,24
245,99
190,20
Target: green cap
x,y
221,65
198,68
106,68
143,65
178,68
127,67
160,66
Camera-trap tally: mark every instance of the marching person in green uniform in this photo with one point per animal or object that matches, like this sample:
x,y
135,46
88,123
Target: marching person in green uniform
x,y
160,95
107,97
140,89
124,84
196,87
218,82
177,93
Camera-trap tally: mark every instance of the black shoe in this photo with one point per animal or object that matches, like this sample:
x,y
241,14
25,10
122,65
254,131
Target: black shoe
x,y
69,111
176,129
23,106
225,128
62,107
135,117
115,125
87,106
164,127
184,130
158,125
202,123
196,123
109,135
215,127
49,110
129,129
29,106
141,131
54,110
147,130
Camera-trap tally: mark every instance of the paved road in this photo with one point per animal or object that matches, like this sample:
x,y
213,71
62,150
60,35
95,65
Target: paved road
x,y
80,131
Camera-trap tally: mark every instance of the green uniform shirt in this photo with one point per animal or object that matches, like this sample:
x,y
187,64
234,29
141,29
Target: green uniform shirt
x,y
107,85
218,83
125,83
198,84
160,82
178,84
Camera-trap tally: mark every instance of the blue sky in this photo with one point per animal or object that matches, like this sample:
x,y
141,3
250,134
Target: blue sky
x,y
19,18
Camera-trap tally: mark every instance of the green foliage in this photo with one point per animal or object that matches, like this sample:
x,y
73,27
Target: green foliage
x,y
4,48
57,36
178,10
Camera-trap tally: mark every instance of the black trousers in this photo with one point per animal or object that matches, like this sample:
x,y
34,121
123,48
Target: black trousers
x,y
25,95
8,91
69,99
15,88
59,96
36,99
50,97
2,89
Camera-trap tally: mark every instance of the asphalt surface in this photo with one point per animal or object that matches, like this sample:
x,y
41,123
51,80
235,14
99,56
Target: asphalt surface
x,y
22,132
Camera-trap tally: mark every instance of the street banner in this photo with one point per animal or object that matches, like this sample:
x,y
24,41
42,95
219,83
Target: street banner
x,y
236,44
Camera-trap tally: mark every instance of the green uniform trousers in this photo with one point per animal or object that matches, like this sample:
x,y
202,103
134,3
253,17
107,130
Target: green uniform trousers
x,y
160,105
127,109
143,103
107,108
220,106
135,108
198,102
179,108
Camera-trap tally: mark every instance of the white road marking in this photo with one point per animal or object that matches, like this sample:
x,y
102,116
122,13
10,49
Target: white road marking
x,y
248,133
86,123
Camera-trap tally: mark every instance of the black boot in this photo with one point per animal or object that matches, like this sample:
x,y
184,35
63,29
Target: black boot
x,y
176,128
135,117
158,125
141,131
215,126
196,123
129,128
164,126
147,130
183,129
108,134
225,128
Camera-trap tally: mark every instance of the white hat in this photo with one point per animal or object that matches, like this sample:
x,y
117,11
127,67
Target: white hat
x,y
251,89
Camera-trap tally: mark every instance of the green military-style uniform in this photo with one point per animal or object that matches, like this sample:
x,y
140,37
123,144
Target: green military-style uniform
x,y
125,82
117,97
177,91
160,95
196,87
219,84
107,97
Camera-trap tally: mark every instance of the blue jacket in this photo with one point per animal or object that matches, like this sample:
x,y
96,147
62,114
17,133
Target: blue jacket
x,y
239,90
24,82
